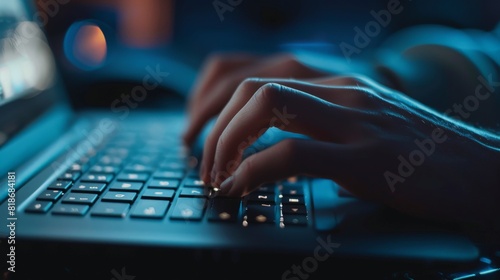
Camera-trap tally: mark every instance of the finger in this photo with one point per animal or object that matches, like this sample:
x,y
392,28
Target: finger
x,y
210,106
290,157
286,108
345,80
338,95
217,97
215,67
354,81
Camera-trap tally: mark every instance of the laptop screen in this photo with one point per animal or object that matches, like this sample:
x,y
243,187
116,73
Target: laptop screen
x,y
34,107
27,70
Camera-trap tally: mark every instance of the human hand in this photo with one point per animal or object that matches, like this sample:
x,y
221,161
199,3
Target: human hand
x,y
221,75
373,141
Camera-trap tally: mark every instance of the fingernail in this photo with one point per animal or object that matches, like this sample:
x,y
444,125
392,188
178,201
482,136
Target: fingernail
x,y
213,192
226,185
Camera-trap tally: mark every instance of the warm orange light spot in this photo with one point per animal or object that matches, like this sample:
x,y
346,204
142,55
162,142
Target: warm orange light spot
x,y
90,45
145,23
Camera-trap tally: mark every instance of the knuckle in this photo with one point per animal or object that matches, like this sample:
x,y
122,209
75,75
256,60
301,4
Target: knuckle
x,y
268,95
354,80
249,86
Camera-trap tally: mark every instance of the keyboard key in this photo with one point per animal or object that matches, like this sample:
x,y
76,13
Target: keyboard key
x,y
149,149
39,207
289,190
88,187
295,220
175,156
68,209
260,213
173,165
97,177
293,200
145,159
194,173
188,209
149,208
126,186
50,195
193,182
137,167
194,192
267,188
258,197
173,184
133,176
73,176
86,159
80,198
116,151
60,185
111,160
112,196
79,167
110,209
161,174
224,209
158,193
121,141
294,209
104,169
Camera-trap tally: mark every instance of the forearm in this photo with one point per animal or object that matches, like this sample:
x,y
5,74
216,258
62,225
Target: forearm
x,y
450,74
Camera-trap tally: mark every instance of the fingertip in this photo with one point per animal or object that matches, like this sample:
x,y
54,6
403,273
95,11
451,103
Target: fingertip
x,y
189,135
204,176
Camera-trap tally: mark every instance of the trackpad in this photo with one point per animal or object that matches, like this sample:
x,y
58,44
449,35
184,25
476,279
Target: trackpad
x,y
334,206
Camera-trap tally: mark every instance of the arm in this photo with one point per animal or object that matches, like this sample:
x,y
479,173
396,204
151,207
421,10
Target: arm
x,y
456,72
411,155
375,142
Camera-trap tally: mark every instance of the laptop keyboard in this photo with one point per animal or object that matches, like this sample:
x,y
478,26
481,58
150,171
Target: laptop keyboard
x,y
147,175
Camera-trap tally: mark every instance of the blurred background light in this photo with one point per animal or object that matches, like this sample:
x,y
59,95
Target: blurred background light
x,y
145,23
85,45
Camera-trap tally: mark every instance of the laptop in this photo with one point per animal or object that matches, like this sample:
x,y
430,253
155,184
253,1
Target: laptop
x,y
92,194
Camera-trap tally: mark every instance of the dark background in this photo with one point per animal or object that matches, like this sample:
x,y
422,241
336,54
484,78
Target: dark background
x,y
139,32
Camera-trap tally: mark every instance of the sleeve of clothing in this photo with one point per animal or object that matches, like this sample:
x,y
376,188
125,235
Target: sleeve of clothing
x,y
456,72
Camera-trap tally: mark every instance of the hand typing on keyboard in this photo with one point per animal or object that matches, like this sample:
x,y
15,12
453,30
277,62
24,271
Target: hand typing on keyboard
x,y
375,141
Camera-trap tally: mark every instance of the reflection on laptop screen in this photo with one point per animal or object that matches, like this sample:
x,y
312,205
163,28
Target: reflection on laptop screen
x,y
27,66
27,70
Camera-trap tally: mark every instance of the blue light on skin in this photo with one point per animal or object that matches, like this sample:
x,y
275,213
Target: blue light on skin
x,y
485,260
489,271
465,276
85,45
